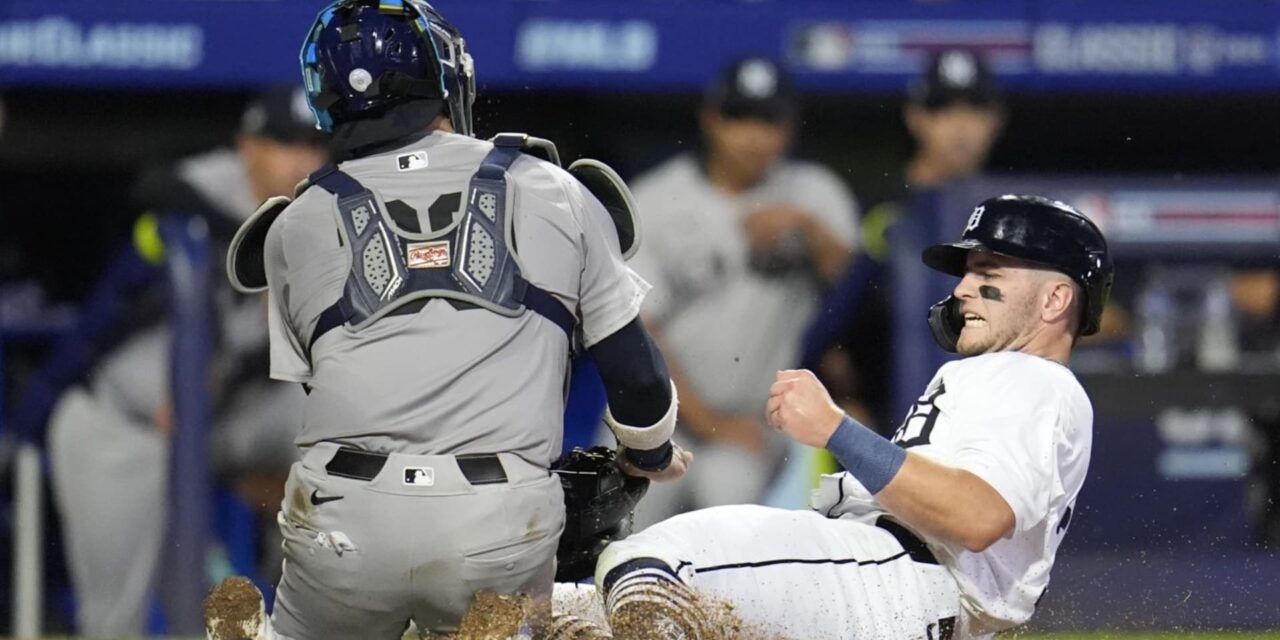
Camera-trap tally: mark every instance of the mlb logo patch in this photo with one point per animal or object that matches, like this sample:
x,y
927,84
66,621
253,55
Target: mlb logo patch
x,y
428,255
419,476
412,161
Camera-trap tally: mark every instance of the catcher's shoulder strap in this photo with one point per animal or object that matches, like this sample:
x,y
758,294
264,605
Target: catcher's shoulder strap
x,y
601,180
474,262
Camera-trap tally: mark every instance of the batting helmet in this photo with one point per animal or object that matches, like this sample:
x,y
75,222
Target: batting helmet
x,y
1032,228
362,57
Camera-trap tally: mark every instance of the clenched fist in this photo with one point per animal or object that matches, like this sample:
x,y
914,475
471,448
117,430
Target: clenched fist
x,y
800,407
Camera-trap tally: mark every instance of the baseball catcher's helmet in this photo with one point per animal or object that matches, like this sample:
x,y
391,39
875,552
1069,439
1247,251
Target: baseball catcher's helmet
x,y
362,57
598,500
1032,228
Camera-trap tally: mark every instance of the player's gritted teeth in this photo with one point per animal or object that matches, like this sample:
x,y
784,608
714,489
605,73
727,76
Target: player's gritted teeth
x,y
974,320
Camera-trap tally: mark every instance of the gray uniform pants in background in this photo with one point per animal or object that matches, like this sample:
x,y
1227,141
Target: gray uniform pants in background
x,y
109,478
390,550
110,474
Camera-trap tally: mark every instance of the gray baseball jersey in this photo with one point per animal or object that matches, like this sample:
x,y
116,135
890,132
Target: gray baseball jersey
x,y
445,380
729,324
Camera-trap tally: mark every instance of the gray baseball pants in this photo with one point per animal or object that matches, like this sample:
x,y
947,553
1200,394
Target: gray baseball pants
x,y
417,541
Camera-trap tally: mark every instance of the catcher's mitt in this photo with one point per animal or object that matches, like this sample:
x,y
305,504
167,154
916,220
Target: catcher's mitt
x,y
598,500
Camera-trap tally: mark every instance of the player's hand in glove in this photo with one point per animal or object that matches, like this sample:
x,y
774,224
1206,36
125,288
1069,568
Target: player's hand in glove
x,y
800,407
680,461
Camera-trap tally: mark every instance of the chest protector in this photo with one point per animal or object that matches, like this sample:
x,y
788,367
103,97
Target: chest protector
x,y
474,262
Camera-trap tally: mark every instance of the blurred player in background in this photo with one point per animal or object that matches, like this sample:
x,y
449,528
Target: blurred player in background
x,y
109,436
741,241
950,528
955,114
428,291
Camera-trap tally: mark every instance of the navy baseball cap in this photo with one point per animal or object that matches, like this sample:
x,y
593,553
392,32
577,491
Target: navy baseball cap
x,y
955,76
281,114
753,88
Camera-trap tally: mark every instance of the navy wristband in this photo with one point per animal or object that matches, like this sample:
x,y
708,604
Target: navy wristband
x,y
873,460
651,459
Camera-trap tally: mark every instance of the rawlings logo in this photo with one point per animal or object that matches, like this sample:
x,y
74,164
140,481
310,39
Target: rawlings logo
x,y
429,255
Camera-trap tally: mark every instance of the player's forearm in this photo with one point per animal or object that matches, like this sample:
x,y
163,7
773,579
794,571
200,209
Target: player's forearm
x,y
634,374
830,255
937,499
639,392
947,502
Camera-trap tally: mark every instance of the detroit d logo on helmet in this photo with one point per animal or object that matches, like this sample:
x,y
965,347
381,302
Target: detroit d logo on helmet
x,y
974,219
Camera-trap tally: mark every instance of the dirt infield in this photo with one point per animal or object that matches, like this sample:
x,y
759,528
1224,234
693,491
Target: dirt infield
x,y
494,616
235,609
1092,635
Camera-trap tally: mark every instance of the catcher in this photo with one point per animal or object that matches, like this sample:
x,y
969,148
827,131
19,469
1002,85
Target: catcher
x,y
428,291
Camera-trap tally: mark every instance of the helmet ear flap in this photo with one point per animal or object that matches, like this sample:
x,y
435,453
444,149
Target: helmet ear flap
x,y
1096,296
945,323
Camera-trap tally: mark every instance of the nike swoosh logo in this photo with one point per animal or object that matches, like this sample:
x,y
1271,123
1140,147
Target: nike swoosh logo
x,y
319,500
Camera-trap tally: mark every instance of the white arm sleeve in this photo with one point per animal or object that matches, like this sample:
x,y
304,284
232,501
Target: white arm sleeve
x,y
644,438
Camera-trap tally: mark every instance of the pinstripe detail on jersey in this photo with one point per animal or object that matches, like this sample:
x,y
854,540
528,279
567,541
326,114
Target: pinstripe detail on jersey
x,y
768,563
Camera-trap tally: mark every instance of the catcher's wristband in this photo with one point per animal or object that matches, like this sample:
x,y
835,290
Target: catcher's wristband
x,y
870,458
651,459
645,438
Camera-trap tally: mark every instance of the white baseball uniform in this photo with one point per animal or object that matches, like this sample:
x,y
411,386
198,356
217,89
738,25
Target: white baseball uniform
x,y
1021,423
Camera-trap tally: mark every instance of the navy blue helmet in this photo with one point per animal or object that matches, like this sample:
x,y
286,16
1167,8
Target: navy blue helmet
x,y
362,57
1037,229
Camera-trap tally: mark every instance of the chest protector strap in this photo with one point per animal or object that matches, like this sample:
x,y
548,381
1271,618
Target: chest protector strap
x,y
473,263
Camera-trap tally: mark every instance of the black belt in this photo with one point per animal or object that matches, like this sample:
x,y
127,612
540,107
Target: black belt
x,y
914,546
365,465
